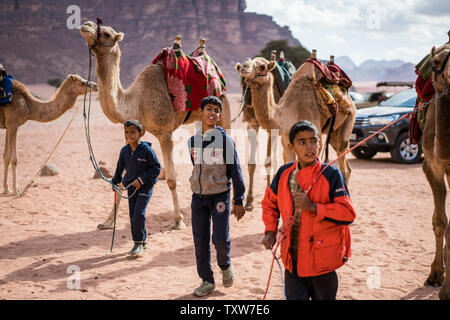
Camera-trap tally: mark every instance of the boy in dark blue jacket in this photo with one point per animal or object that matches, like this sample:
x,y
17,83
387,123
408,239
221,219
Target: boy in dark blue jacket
x,y
142,171
216,164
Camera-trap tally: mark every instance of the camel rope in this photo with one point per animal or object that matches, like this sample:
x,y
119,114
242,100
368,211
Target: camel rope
x,y
86,117
241,107
50,155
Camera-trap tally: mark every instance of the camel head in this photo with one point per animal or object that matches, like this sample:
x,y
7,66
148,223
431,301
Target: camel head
x,y
107,41
441,66
78,85
255,71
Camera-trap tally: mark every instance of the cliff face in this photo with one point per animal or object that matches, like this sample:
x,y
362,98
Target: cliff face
x,y
38,45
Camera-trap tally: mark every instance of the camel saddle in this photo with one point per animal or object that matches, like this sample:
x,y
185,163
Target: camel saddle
x,y
332,86
6,93
283,72
425,91
190,78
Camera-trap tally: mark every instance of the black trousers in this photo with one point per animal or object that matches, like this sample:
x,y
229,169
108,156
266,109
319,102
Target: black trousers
x,y
323,287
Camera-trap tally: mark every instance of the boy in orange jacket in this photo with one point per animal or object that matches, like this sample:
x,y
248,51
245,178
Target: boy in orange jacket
x,y
319,240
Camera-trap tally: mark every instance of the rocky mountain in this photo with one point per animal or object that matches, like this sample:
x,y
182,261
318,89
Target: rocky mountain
x,y
377,70
38,45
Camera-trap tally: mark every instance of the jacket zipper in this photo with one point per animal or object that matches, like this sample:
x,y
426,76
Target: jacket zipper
x,y
200,174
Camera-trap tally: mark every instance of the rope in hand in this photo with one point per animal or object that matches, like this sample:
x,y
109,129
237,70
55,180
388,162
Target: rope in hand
x,y
285,229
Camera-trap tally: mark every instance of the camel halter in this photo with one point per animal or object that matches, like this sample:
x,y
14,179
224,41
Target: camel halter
x,y
97,44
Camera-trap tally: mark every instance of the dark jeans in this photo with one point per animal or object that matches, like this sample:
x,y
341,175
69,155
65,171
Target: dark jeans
x,y
203,210
137,205
323,287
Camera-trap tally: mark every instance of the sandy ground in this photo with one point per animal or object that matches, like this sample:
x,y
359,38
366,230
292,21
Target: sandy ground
x,y
52,230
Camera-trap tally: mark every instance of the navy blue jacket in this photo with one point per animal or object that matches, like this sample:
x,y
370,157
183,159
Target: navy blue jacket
x,y
141,164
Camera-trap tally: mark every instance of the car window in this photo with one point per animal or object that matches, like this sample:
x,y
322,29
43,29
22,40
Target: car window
x,y
405,98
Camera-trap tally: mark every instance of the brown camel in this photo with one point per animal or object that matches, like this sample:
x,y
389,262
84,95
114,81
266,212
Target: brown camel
x,y
300,102
252,129
436,166
147,100
25,107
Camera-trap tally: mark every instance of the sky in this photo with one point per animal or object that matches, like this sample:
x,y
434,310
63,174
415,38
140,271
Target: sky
x,y
363,29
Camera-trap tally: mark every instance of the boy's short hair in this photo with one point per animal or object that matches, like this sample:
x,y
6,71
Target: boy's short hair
x,y
211,100
299,126
133,123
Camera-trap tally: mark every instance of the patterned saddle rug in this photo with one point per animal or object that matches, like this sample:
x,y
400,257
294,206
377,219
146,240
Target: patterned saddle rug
x,y
190,78
6,90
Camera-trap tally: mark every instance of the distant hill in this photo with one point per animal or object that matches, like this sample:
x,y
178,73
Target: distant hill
x,y
377,70
38,46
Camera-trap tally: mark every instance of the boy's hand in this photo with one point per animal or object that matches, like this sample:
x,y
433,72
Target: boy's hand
x,y
239,211
302,201
269,240
136,184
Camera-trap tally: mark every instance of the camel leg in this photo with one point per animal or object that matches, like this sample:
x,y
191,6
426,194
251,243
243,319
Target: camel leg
x,y
109,222
6,160
253,141
12,146
270,155
166,144
437,183
341,146
288,155
444,293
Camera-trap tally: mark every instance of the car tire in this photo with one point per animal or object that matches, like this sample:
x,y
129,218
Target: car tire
x,y
365,153
404,151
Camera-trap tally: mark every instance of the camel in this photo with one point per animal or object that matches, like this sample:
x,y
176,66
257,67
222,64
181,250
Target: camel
x,y
25,106
146,99
252,129
299,102
436,149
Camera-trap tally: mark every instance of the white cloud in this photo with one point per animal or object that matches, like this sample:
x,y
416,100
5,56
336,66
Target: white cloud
x,y
334,39
377,29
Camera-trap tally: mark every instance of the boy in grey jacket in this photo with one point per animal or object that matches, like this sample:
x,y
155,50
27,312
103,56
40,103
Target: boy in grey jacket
x,y
216,163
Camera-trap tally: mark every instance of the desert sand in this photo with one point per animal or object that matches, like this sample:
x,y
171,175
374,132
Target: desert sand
x,y
52,230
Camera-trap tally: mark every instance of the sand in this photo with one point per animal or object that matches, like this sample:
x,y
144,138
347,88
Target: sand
x,y
51,231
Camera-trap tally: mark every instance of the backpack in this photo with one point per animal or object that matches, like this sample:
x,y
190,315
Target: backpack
x,y
5,87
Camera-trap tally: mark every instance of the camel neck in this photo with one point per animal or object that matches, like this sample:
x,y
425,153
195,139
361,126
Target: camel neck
x,y
110,91
264,103
45,111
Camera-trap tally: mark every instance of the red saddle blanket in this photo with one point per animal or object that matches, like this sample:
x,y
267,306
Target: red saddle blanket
x,y
342,77
190,78
425,91
329,76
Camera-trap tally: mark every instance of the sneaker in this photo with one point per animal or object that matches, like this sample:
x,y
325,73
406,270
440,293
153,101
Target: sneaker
x,y
204,289
228,277
137,250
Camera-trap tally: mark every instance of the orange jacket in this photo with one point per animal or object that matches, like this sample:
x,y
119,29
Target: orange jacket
x,y
324,237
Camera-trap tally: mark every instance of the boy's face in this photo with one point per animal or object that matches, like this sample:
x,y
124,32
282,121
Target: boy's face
x,y
210,115
132,135
306,146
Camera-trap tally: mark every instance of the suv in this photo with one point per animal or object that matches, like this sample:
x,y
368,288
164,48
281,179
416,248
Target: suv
x,y
394,139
